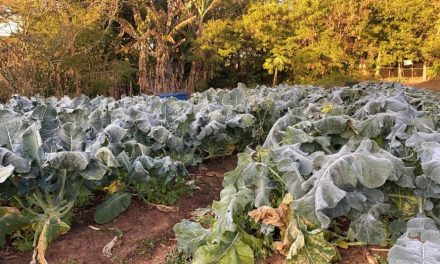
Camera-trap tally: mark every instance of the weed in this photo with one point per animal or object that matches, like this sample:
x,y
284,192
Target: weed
x,y
146,247
176,257
72,261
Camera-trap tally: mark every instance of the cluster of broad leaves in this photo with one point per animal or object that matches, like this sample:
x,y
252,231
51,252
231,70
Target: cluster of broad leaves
x,y
56,153
369,154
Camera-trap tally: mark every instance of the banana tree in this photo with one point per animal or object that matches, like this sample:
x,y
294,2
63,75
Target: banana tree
x,y
154,32
202,8
168,20
140,32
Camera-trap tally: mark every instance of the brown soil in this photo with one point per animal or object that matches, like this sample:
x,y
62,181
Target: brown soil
x,y
431,84
147,232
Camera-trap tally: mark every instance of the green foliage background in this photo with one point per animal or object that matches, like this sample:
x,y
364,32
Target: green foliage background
x,y
126,47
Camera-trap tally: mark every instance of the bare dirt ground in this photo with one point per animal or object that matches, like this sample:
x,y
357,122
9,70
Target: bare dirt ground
x,y
431,84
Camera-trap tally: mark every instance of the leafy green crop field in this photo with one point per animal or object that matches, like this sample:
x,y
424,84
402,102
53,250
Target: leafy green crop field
x,y
309,158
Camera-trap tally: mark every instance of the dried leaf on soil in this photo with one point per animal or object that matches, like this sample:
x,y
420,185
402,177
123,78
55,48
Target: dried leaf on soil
x,y
107,249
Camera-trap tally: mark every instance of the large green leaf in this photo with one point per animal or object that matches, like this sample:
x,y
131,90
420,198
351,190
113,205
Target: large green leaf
x,y
244,161
21,165
190,235
94,171
32,144
112,208
231,203
11,220
419,245
309,247
368,165
69,160
231,250
369,229
47,115
72,137
106,157
430,160
11,126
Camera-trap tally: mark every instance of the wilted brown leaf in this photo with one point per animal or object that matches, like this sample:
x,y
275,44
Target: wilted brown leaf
x,y
278,217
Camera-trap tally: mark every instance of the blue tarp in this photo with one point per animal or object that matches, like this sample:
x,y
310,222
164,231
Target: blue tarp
x,y
179,95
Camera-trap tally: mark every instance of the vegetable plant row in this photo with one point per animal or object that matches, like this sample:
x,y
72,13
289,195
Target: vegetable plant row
x,y
343,167
310,159
58,153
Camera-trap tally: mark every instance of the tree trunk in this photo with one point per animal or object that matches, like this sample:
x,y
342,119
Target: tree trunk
x,y
163,69
142,71
77,83
275,76
190,85
59,90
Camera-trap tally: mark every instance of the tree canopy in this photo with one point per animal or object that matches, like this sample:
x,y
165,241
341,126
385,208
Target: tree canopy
x,y
145,46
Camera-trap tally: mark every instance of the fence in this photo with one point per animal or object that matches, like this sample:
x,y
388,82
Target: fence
x,y
406,72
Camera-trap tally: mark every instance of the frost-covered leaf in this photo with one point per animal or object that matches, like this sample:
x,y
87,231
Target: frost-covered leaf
x,y
106,157
420,244
369,166
115,133
47,115
11,126
369,229
69,160
20,164
94,171
375,125
32,144
72,137
430,160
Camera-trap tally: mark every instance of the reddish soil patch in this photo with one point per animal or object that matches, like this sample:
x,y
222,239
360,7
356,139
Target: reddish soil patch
x,y
431,84
140,223
363,255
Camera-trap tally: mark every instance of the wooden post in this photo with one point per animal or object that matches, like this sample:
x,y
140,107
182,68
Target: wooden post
x,y
425,74
399,70
378,62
